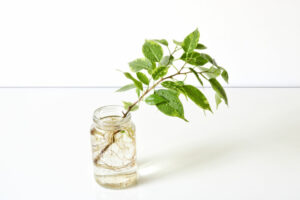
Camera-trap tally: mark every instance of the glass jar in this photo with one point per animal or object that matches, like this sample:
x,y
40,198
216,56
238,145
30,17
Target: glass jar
x,y
113,147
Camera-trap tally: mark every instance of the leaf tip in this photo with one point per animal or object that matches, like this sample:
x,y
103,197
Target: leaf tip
x,y
185,119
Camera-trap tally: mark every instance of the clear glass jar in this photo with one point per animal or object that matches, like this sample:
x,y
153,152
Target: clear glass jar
x,y
113,147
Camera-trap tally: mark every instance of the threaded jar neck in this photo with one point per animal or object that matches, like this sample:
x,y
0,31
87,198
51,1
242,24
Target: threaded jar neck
x,y
110,117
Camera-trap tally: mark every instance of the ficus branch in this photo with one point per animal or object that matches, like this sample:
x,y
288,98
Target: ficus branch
x,y
153,53
112,140
156,84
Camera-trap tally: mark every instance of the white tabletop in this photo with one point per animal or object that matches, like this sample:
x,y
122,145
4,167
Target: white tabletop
x,y
250,150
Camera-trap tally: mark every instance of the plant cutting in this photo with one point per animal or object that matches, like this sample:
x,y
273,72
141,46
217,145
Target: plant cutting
x,y
159,80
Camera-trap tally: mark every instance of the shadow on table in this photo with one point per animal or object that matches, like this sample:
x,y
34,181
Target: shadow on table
x,y
182,158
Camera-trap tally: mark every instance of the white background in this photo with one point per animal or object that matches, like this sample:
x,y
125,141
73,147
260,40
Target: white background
x,y
249,150
82,43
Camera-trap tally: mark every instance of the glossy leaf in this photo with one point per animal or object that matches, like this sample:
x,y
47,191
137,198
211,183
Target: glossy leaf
x,y
191,41
180,83
154,99
218,100
211,72
177,86
138,92
162,41
219,89
166,60
197,97
197,76
143,78
170,85
194,58
137,83
152,51
159,72
225,75
173,107
200,46
126,87
209,59
153,66
139,64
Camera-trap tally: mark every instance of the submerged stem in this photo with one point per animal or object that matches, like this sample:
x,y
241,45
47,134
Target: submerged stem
x,y
112,140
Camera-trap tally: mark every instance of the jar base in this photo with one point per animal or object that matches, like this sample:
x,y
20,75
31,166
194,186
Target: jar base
x,y
117,181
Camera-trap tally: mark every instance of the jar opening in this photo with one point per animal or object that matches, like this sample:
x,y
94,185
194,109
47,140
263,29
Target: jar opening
x,y
110,115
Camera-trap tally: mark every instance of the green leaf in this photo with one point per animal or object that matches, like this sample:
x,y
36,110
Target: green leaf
x,y
137,83
143,78
139,64
138,92
177,86
219,89
209,59
173,107
225,75
218,100
194,58
191,41
203,69
159,72
177,43
134,108
126,87
127,104
211,72
197,76
152,51
197,97
166,60
153,66
154,99
170,85
163,42
180,83
200,46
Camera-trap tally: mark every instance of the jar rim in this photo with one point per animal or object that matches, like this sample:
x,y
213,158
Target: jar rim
x,y
110,110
